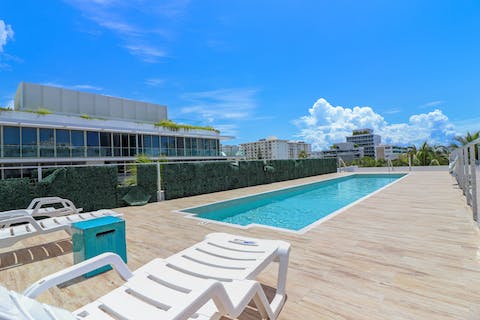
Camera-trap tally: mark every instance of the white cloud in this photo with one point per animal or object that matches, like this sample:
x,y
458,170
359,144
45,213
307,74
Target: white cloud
x,y
6,34
229,104
222,108
143,27
154,82
432,104
393,111
74,86
145,52
326,124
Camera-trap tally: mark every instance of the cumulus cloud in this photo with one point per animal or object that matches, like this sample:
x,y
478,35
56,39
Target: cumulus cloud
x,y
326,124
6,34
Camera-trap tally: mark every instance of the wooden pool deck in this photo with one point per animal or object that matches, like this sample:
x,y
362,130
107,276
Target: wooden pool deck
x,y
407,252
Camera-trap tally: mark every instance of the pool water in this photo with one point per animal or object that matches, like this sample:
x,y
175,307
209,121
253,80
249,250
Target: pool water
x,y
297,207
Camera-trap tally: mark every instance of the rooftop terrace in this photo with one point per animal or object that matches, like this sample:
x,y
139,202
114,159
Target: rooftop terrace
x,y
407,252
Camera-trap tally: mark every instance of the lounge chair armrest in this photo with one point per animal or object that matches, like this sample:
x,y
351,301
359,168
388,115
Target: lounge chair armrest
x,y
13,214
78,270
21,217
47,200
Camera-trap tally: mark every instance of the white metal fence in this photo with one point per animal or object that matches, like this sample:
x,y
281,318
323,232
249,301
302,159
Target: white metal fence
x,y
465,167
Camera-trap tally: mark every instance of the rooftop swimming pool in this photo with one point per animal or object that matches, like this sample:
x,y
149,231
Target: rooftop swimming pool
x,y
295,208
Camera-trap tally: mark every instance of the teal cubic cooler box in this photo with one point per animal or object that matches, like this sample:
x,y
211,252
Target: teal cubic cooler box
x,y
93,237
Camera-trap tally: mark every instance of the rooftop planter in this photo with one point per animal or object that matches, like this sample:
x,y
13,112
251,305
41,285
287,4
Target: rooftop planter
x,y
168,124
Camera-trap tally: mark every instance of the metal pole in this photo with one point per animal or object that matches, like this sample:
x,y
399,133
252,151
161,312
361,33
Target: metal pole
x,y
160,193
465,175
473,168
409,162
40,174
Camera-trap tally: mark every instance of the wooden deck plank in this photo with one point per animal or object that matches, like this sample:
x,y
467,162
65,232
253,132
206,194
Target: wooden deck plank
x,y
407,252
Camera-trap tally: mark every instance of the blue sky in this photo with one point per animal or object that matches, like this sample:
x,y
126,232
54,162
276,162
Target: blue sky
x,y
305,70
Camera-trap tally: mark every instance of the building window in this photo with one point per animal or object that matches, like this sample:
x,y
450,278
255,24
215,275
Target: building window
x,y
155,146
29,142
62,142
47,143
194,146
105,144
188,146
117,146
78,143
133,145
201,147
180,146
171,151
11,142
147,144
125,145
93,143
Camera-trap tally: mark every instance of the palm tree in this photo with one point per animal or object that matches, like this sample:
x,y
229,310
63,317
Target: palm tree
x,y
425,154
441,154
466,139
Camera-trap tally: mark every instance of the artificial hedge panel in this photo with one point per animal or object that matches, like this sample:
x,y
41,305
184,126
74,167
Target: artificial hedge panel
x,y
187,179
90,188
93,188
16,193
147,179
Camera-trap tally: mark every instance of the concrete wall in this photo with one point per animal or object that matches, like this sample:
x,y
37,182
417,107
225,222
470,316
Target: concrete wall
x,y
31,96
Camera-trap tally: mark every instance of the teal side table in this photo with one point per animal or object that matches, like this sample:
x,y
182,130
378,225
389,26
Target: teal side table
x,y
93,237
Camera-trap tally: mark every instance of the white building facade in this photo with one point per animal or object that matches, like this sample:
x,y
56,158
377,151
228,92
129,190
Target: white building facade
x,y
299,148
344,150
273,148
58,126
386,152
367,139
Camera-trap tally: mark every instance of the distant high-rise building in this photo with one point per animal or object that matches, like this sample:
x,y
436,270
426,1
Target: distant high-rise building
x,y
367,139
273,148
230,150
384,151
344,150
297,148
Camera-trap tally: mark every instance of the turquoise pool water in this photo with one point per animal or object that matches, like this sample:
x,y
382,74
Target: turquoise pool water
x,y
297,207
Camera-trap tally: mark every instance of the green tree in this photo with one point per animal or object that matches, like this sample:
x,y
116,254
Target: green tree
x,y
302,154
469,137
424,154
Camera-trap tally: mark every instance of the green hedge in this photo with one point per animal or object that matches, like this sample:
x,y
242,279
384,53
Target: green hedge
x,y
147,179
93,188
90,188
16,193
187,179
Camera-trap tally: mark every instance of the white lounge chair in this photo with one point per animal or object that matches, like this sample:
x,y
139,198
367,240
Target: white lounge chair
x,y
36,208
158,290
225,257
24,226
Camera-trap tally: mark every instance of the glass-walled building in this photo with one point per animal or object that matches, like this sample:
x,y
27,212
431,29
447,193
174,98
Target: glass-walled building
x,y
28,142
114,130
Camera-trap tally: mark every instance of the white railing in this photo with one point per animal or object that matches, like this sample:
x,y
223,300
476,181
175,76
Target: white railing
x,y
340,164
465,166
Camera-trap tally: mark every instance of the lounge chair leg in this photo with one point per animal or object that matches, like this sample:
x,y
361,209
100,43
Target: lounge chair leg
x,y
262,304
